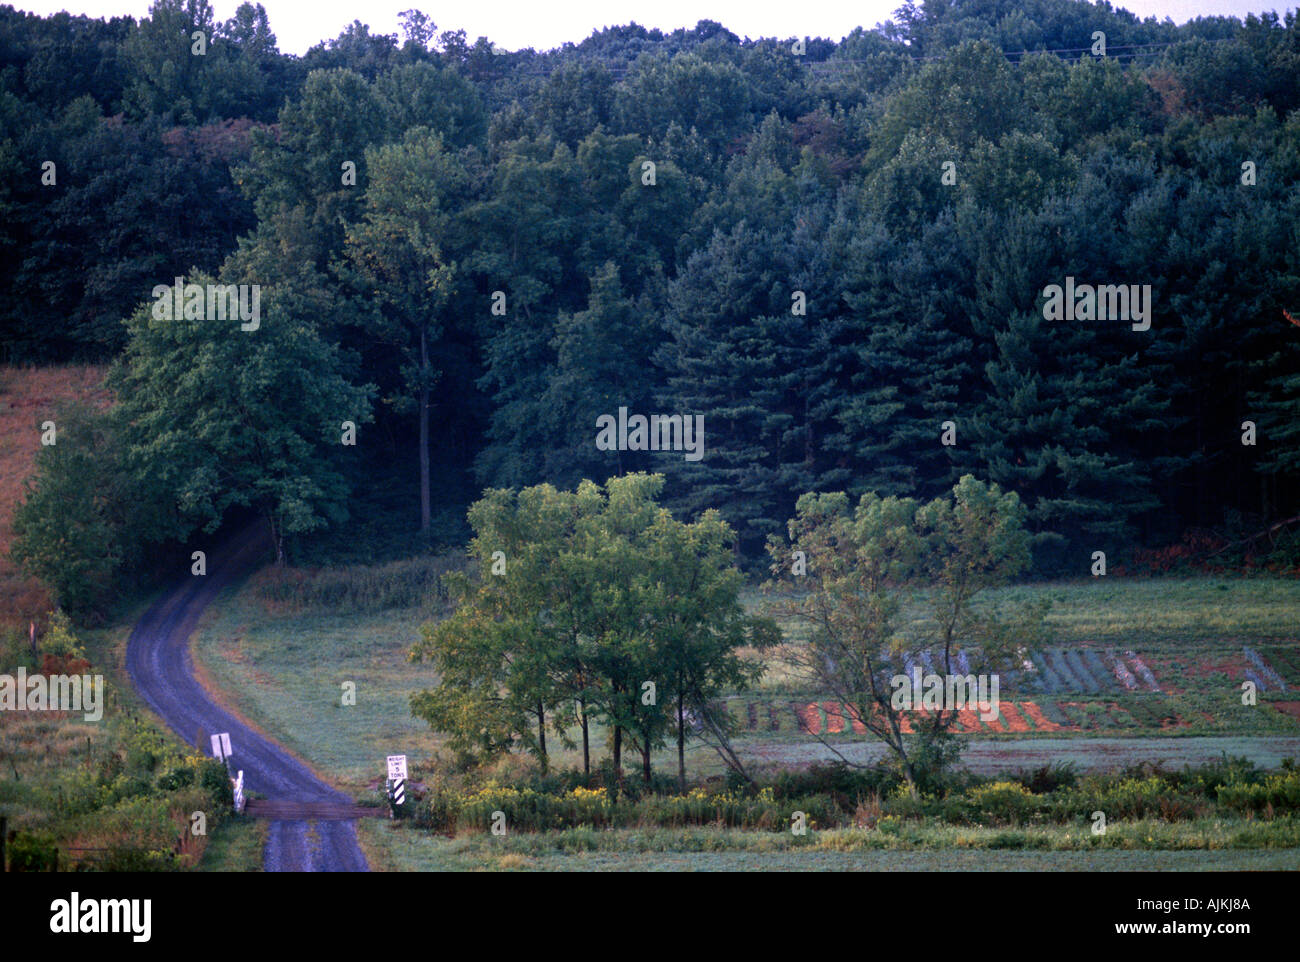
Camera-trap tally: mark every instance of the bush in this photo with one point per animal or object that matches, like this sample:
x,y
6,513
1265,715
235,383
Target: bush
x,y
1280,792
842,783
439,812
175,778
1131,798
123,858
531,811
1049,778
1005,802
215,780
1207,779
32,853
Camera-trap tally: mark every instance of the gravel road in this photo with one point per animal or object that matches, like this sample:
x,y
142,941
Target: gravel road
x,y
158,660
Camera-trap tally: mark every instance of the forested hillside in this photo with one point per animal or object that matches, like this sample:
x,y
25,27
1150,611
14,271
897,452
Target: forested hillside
x,y
838,254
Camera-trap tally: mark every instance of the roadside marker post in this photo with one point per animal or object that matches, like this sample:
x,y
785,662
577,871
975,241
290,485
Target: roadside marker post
x,y
396,783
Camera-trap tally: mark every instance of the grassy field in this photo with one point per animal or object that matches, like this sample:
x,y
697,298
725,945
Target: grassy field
x,y
235,846
1137,847
265,657
268,666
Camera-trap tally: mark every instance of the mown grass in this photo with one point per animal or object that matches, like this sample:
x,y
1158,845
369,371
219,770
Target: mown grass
x,y
285,672
236,845
1139,846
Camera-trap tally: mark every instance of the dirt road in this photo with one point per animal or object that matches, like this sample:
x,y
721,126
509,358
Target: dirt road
x,y
158,660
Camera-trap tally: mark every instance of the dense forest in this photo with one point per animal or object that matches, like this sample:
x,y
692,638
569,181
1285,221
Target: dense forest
x,y
836,257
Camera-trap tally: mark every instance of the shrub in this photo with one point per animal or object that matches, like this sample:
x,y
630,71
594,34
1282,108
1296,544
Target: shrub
x,y
532,811
32,853
1280,792
838,780
1005,802
889,825
174,778
439,813
214,779
125,858
1049,778
1151,797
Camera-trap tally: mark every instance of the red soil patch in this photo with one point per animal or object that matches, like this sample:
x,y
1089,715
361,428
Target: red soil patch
x,y
1014,722
1291,708
810,718
1233,664
1041,723
858,727
834,717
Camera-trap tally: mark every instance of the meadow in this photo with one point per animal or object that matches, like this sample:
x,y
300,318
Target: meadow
x,y
264,654
262,647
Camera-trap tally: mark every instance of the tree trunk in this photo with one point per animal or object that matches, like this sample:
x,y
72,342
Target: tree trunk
x,y
645,761
909,775
425,511
277,539
618,752
586,743
541,737
681,745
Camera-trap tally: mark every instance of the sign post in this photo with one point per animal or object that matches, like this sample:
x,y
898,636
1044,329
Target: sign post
x,y
396,783
221,748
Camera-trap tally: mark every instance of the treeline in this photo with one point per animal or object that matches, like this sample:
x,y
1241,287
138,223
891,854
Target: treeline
x,y
837,254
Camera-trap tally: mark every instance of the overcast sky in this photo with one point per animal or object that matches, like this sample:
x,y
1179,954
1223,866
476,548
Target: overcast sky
x,y
299,24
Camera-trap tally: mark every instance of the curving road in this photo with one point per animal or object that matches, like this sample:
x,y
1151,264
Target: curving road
x,y
158,660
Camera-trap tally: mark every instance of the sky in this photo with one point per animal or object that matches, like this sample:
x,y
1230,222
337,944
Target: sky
x,y
514,24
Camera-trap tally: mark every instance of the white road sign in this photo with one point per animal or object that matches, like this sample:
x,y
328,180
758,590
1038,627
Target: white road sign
x,y
221,745
396,767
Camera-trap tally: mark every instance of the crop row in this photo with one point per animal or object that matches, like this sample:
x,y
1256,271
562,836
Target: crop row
x,y
1017,717
1261,672
1055,671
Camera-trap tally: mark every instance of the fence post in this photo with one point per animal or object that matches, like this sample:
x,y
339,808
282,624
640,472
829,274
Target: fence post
x,y
4,831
